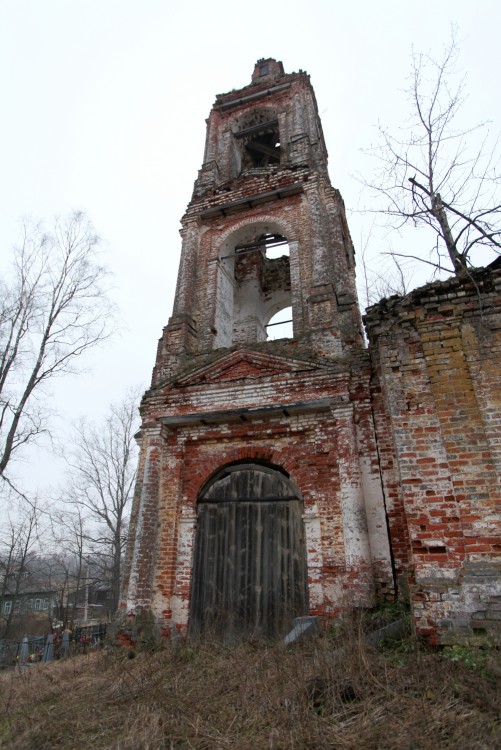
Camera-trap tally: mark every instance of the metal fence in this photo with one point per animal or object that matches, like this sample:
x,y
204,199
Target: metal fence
x,y
32,650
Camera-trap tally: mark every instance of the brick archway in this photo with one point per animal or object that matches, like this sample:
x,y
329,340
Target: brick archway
x,y
249,569
296,471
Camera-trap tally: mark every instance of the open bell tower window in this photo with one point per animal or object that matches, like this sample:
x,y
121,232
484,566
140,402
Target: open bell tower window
x,y
260,145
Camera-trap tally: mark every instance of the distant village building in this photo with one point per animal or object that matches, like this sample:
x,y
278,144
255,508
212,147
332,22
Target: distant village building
x,y
29,600
308,474
40,593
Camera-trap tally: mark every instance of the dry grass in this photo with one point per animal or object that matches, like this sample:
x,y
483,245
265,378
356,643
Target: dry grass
x,y
254,696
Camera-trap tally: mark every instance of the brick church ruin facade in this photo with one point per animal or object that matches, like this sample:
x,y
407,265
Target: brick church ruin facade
x,y
309,475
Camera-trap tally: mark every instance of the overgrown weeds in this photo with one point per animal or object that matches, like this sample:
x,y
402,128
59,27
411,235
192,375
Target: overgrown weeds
x,y
331,692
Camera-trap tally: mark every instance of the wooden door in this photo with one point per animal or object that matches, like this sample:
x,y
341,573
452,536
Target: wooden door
x,y
249,572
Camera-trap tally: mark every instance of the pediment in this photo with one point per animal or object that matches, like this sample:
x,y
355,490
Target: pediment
x,y
245,364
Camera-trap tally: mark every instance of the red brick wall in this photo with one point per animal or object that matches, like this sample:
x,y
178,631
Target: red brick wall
x,y
318,443
437,398
402,449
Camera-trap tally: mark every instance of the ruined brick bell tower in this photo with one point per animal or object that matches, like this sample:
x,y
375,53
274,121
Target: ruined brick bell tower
x,y
258,496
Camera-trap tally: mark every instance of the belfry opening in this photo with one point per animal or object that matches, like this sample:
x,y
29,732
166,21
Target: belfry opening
x,y
303,474
254,283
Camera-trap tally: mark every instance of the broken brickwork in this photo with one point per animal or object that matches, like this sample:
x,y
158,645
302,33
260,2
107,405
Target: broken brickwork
x,y
231,413
437,398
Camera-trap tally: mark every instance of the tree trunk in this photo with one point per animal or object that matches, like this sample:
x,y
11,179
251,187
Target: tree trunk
x,y
441,216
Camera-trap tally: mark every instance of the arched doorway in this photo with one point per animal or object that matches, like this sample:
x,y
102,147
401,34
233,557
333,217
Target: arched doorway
x,y
249,570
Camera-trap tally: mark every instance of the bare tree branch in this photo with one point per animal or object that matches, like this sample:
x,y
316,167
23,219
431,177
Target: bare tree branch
x,y
435,173
52,311
102,472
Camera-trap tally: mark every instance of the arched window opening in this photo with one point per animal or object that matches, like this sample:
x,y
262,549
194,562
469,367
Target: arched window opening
x,y
258,139
280,325
264,148
272,245
254,282
276,246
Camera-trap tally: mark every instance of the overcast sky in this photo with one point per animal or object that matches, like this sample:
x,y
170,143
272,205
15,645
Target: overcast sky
x,y
103,107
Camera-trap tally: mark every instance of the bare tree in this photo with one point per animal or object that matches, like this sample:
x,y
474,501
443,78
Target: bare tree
x,y
438,175
18,540
102,475
72,539
52,310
